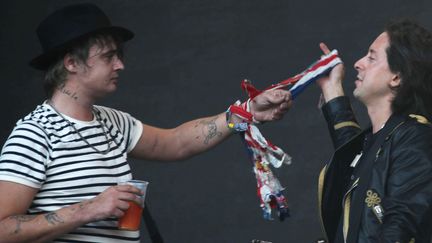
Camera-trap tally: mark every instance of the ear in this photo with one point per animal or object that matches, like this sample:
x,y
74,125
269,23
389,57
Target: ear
x,y
395,81
70,63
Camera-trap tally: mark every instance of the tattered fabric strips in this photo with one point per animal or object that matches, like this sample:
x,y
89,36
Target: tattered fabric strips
x,y
261,151
300,81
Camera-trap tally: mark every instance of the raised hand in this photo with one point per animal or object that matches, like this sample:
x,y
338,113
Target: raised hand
x,y
331,85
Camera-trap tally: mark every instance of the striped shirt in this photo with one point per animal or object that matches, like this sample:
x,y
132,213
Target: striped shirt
x,y
45,152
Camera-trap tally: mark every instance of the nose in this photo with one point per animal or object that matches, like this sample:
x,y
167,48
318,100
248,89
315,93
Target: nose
x,y
118,64
359,64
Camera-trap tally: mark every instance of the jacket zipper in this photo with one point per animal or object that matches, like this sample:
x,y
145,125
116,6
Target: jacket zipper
x,y
346,205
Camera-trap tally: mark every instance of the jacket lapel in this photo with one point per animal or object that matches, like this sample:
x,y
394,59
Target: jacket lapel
x,y
332,186
357,206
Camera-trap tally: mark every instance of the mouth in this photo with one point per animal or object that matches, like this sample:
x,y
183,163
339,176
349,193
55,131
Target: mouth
x,y
114,81
359,79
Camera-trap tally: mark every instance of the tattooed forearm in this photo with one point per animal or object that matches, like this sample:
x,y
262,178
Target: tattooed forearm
x,y
81,205
85,203
209,129
53,218
20,219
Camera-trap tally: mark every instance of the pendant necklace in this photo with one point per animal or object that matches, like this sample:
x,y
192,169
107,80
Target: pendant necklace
x,y
81,136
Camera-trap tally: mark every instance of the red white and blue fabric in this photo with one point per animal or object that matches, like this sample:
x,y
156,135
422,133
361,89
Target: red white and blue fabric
x,y
261,151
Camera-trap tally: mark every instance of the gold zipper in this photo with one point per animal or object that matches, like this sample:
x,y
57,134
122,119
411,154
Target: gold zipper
x,y
320,192
346,205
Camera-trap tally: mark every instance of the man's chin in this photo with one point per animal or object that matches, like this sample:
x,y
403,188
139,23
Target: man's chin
x,y
107,92
356,94
112,88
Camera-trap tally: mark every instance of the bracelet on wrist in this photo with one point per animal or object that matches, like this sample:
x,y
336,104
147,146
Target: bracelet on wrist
x,y
240,111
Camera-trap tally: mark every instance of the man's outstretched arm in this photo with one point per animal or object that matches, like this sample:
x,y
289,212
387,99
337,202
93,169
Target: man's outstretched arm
x,y
197,136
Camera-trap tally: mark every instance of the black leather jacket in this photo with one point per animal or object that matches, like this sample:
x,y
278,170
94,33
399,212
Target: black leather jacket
x,y
390,199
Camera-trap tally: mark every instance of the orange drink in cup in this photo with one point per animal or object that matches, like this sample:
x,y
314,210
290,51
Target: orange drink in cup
x,y
132,218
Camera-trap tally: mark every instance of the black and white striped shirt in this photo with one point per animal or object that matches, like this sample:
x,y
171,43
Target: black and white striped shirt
x,y
45,152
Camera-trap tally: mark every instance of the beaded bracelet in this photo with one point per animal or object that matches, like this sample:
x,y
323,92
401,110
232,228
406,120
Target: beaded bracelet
x,y
240,110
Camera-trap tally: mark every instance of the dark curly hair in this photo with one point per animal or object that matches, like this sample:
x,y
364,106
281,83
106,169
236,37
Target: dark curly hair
x,y
410,56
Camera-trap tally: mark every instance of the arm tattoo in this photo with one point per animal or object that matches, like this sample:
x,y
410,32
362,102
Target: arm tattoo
x,y
53,218
210,128
20,219
85,203
81,205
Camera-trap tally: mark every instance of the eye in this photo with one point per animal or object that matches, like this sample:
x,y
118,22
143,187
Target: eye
x,y
119,54
109,55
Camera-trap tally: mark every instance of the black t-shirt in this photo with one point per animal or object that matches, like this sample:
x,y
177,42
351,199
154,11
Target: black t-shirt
x,y
355,172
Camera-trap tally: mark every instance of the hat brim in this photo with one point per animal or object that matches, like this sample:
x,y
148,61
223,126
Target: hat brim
x,y
44,60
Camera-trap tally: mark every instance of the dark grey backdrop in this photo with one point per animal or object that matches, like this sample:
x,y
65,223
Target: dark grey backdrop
x,y
187,61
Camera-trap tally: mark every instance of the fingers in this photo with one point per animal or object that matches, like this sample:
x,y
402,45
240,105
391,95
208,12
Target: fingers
x,y
129,193
273,114
129,188
284,107
271,105
324,48
120,196
281,110
123,205
278,96
120,209
118,213
113,202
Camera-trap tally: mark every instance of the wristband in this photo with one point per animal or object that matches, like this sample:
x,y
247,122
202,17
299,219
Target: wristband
x,y
239,110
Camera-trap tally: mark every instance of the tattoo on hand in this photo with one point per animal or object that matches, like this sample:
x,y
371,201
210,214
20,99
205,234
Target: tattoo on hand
x,y
20,219
211,128
53,218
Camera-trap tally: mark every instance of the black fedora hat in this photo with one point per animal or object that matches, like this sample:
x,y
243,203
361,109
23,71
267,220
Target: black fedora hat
x,y
63,28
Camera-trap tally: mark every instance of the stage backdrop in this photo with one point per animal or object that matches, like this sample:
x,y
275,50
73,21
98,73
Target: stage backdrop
x,y
186,61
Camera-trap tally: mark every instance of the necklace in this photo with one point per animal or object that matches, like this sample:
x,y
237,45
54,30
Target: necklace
x,y
81,136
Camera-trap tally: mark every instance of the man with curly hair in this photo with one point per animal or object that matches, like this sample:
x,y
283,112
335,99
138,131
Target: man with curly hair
x,y
378,185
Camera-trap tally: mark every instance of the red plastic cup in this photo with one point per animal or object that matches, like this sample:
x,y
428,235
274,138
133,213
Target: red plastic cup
x,y
131,220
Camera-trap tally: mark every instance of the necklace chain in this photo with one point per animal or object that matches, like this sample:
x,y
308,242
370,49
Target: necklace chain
x,y
81,136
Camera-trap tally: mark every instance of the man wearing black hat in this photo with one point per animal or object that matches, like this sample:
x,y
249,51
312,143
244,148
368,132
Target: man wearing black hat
x,y
61,164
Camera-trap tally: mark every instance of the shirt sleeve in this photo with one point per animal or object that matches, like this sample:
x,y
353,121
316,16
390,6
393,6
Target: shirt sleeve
x,y
130,127
135,132
24,155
